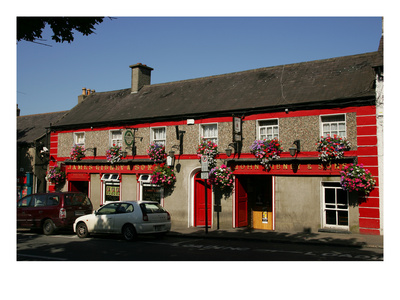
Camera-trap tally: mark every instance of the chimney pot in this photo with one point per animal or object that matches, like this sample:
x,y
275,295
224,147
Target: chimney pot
x,y
84,91
141,76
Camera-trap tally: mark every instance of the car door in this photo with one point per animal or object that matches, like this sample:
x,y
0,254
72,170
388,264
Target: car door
x,y
104,218
38,209
123,215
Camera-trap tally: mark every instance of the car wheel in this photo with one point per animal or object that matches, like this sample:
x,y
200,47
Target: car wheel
x,y
81,230
129,232
48,227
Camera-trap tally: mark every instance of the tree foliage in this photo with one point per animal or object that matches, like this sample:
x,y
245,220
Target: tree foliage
x,y
31,28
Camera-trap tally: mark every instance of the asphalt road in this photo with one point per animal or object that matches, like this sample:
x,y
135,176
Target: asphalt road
x,y
68,247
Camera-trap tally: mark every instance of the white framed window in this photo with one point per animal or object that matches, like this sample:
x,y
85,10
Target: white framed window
x,y
158,135
209,132
335,206
79,138
149,191
333,124
111,188
115,138
268,129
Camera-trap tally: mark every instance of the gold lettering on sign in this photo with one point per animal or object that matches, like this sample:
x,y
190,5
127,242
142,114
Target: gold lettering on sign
x,y
256,167
249,167
309,166
278,167
285,166
149,167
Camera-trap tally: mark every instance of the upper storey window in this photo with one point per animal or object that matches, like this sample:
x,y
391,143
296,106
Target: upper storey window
x,y
268,129
115,138
79,138
158,135
209,132
333,125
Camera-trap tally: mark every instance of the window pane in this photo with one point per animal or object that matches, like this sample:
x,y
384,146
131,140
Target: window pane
x,y
52,200
331,217
330,196
335,118
108,209
343,218
342,197
268,122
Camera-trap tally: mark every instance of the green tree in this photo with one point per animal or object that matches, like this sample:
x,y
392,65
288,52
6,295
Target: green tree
x,y
31,28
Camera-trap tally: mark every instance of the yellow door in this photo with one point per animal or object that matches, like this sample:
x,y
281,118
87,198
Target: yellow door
x,y
260,202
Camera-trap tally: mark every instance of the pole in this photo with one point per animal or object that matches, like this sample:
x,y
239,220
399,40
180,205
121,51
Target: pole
x,y
205,184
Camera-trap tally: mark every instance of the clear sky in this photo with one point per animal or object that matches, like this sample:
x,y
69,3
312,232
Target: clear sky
x,y
50,79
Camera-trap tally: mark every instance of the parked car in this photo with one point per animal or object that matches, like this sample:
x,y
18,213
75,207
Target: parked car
x,y
128,218
52,211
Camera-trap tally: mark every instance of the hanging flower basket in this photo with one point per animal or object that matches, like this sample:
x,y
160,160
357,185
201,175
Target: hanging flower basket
x,y
157,152
266,150
207,147
355,178
163,176
55,175
113,154
77,152
221,177
332,148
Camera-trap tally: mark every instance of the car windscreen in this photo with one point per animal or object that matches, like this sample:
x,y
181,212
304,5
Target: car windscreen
x,y
77,200
150,208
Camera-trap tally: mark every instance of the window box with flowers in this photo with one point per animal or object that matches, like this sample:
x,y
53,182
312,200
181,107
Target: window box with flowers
x,y
157,152
221,177
77,152
266,150
355,178
207,147
55,175
163,176
114,154
332,148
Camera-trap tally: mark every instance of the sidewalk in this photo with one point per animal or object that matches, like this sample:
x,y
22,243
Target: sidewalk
x,y
317,238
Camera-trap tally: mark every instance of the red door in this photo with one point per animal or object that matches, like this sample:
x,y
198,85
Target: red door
x,y
241,203
199,202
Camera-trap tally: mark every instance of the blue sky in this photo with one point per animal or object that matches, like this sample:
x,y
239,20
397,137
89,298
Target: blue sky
x,y
51,78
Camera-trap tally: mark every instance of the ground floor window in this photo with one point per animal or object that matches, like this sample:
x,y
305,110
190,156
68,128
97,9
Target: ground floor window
x,y
335,205
149,191
111,188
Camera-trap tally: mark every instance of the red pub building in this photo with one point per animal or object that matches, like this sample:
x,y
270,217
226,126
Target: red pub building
x,y
297,106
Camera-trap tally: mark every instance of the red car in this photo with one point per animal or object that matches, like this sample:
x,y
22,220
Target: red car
x,y
52,211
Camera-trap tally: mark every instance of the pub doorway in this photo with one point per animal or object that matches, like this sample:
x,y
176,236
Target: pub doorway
x,y
79,186
200,190
254,202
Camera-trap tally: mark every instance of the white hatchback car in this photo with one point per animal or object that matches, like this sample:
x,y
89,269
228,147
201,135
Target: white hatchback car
x,y
128,218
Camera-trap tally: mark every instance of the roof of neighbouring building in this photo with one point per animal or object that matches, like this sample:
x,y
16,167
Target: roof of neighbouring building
x,y
294,85
32,127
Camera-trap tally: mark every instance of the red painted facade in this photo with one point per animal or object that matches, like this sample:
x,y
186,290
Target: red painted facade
x,y
366,153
